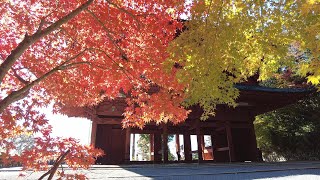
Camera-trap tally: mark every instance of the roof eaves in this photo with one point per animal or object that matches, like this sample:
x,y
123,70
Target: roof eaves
x,y
275,90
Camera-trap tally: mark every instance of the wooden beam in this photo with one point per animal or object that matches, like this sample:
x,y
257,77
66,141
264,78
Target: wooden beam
x,y
115,121
194,124
127,146
144,131
223,149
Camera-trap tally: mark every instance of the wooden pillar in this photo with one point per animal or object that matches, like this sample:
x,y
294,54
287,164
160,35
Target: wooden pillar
x,y
254,147
230,142
178,147
202,145
212,145
187,147
151,147
199,139
127,146
215,145
93,133
165,143
157,147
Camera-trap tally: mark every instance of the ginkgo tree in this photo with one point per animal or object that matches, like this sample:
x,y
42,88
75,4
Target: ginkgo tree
x,y
76,53
227,41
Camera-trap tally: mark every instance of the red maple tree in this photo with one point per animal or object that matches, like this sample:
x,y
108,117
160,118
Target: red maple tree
x,y
77,53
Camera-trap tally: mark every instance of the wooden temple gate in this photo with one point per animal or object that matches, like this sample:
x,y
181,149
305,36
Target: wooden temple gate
x,y
231,141
231,130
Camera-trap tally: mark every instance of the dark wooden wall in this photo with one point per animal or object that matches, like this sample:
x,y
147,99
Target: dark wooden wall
x,y
111,139
244,144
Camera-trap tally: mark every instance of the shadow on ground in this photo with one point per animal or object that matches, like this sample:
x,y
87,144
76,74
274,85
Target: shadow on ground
x,y
234,171
293,170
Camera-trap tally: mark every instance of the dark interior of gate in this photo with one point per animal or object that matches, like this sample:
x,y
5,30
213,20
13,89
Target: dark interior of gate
x,y
227,137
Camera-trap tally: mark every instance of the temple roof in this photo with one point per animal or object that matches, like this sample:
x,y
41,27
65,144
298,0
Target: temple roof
x,y
253,99
269,89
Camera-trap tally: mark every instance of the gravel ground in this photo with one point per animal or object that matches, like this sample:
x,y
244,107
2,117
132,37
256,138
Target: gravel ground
x,y
234,171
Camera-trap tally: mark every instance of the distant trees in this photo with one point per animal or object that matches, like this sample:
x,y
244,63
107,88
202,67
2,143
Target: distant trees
x,y
144,146
171,157
291,133
22,143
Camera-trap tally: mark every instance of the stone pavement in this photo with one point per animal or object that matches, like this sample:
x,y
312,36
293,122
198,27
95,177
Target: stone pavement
x,y
216,171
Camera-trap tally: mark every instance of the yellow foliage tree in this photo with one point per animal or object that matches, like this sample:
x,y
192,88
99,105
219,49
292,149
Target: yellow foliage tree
x,y
227,41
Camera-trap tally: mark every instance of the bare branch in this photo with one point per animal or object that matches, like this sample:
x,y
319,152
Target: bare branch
x,y
29,40
55,166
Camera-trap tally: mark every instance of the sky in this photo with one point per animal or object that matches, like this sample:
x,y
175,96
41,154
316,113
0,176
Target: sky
x,y
64,126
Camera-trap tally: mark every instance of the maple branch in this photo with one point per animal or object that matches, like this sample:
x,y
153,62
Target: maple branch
x,y
29,40
23,92
73,40
72,58
48,43
12,97
108,32
120,67
145,15
72,65
127,12
19,77
42,22
55,166
1,56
